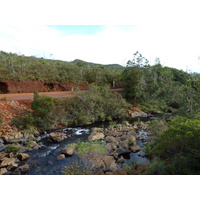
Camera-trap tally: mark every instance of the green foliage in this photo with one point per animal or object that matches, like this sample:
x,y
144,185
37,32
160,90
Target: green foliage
x,y
13,148
158,167
157,88
98,104
76,168
20,67
86,148
42,105
179,145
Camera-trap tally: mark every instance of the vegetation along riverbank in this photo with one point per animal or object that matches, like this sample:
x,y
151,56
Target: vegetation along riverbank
x,y
170,144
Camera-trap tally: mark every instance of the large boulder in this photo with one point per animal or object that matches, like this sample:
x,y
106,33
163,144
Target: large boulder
x,y
114,133
23,156
135,148
124,144
112,140
24,168
57,137
109,163
8,161
69,151
122,151
96,134
3,155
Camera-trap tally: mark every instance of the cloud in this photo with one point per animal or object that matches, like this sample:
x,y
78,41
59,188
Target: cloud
x,y
176,46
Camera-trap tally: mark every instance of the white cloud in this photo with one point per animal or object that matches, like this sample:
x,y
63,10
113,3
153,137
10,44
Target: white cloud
x,y
176,46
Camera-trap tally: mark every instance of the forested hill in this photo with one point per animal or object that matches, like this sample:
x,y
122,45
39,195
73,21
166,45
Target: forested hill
x,y
76,61
20,67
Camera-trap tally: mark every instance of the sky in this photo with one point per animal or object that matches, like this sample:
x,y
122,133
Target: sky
x,y
176,46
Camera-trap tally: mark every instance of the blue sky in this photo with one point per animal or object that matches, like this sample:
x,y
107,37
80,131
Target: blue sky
x,y
78,29
176,46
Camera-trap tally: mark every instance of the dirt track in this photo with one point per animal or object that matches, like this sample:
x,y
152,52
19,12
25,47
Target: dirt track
x,y
29,96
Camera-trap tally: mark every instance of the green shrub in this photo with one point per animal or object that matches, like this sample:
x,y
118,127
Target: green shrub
x,y
13,148
42,105
76,168
178,146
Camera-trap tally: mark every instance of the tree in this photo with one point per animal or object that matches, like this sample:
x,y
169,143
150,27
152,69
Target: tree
x,y
138,60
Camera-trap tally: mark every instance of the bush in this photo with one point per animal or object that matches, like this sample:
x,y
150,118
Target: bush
x,y
13,148
179,146
42,105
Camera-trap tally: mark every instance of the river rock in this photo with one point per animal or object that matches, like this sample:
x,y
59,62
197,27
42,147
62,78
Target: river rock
x,y
69,151
2,146
120,171
135,148
3,154
124,144
23,169
114,133
96,134
109,173
61,157
57,137
98,172
12,166
138,114
109,163
23,156
7,161
122,151
120,160
3,171
132,139
112,140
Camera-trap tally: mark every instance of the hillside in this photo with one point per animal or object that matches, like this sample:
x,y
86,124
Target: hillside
x,y
23,68
76,61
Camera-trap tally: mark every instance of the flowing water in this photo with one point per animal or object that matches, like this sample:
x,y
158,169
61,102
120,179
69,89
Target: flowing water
x,y
44,160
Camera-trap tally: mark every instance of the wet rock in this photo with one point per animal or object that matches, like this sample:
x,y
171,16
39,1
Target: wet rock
x,y
69,151
132,140
33,144
61,157
23,156
7,161
2,146
120,171
138,114
120,160
96,134
112,140
142,154
109,173
57,137
98,172
3,171
135,148
3,155
114,133
24,168
124,144
109,163
122,151
109,147
12,166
